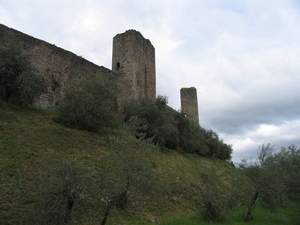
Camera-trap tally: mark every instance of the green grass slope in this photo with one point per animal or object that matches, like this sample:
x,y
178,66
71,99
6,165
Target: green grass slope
x,y
31,140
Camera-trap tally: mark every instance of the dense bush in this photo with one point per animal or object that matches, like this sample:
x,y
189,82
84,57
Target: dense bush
x,y
159,118
172,129
217,148
192,137
89,104
19,82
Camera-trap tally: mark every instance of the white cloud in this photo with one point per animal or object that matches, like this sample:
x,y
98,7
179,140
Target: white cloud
x,y
281,135
243,148
163,42
89,20
265,130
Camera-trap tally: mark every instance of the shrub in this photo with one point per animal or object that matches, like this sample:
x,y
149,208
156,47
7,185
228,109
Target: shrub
x,y
214,200
63,194
19,82
89,104
171,129
191,135
158,117
217,148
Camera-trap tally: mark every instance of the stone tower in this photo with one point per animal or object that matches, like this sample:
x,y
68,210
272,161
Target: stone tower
x,y
133,61
189,103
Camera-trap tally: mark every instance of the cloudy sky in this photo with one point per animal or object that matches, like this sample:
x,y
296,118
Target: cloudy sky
x,y
243,56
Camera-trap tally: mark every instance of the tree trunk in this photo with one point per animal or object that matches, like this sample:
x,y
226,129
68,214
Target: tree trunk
x,y
69,210
250,208
115,200
109,205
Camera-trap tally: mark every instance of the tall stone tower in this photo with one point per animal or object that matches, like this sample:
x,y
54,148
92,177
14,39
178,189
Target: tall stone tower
x,y
189,103
134,62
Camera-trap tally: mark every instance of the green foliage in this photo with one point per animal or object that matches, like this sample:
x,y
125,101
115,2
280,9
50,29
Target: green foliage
x,y
217,148
182,220
192,137
267,177
288,159
19,82
160,119
89,104
286,215
29,136
137,126
63,191
214,200
172,129
130,163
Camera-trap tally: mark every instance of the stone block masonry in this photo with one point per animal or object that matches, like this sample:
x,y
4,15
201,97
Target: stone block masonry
x,y
133,67
133,61
189,103
59,65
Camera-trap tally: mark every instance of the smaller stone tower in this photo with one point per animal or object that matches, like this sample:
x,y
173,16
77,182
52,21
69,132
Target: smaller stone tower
x,y
189,103
133,61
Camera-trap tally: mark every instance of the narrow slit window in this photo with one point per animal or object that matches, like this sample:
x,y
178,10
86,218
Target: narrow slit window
x,y
118,66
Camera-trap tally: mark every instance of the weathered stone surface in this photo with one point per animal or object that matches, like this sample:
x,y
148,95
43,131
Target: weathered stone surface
x,y
189,103
59,65
134,62
133,65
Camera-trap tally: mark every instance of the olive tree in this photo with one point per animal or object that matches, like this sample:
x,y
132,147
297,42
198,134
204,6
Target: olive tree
x,y
62,191
160,119
267,178
288,159
19,81
89,104
128,168
213,198
191,137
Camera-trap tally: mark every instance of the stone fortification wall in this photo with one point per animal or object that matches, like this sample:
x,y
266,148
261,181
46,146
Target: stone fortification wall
x,y
133,66
59,65
134,63
189,103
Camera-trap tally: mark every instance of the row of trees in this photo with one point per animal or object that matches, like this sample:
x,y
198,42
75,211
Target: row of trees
x,y
90,104
273,179
173,129
129,168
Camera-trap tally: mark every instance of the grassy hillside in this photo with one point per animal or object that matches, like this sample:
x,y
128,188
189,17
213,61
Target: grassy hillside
x,y
31,142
